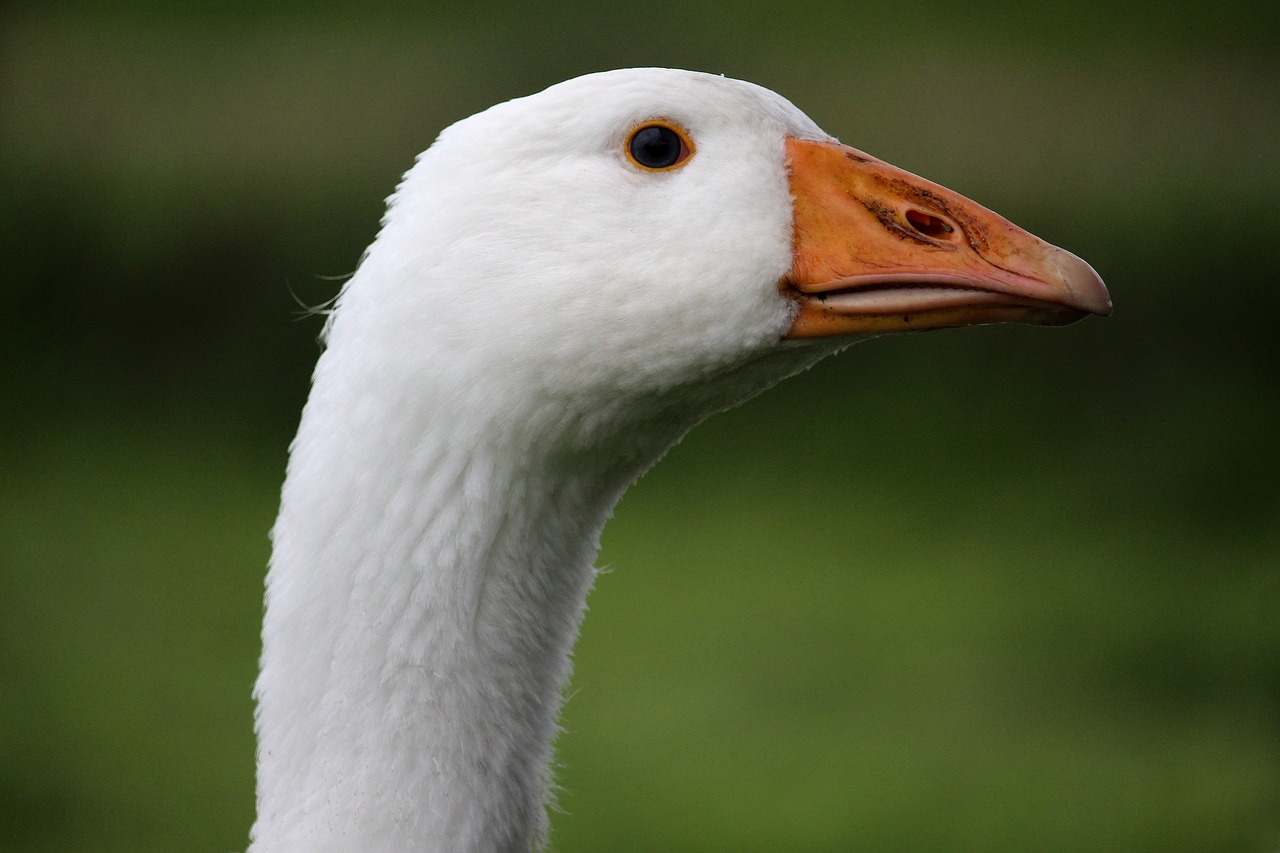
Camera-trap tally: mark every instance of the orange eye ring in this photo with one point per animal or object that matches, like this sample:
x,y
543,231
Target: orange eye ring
x,y
658,146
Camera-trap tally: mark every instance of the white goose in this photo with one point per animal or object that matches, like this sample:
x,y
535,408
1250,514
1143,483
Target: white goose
x,y
563,285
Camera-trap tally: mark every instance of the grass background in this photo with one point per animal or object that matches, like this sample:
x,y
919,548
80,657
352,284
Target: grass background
x,y
997,589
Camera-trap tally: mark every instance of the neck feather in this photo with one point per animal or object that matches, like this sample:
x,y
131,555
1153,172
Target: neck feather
x,y
430,563
422,602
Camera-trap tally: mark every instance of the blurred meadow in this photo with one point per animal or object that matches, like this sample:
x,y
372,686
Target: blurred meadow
x,y
999,589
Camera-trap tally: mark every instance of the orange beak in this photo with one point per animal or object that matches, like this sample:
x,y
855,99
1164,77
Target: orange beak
x,y
877,249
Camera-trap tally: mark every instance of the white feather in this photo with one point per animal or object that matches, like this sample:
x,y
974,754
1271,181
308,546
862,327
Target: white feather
x,y
537,322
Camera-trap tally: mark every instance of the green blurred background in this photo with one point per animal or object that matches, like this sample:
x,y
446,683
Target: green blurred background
x,y
999,589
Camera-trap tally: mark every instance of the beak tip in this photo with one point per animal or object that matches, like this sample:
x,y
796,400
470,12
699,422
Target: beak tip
x,y
1088,293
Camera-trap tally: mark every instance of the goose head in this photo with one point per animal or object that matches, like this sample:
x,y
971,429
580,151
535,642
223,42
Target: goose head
x,y
653,242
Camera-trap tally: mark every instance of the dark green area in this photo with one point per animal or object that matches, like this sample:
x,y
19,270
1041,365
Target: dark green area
x,y
1001,589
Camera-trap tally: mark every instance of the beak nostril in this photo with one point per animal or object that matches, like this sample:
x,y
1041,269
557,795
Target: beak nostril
x,y
929,225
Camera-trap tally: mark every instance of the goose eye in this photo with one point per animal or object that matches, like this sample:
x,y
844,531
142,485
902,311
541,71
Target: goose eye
x,y
657,146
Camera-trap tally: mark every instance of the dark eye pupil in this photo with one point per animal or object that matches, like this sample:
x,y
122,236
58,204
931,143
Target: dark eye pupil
x,y
655,147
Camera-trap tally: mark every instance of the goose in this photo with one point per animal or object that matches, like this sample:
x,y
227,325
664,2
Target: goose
x,y
562,286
